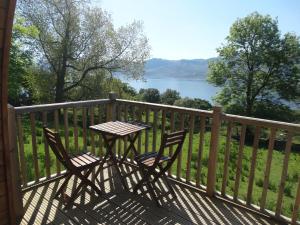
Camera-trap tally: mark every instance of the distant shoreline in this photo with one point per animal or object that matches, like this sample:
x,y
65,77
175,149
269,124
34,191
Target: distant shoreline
x,y
163,78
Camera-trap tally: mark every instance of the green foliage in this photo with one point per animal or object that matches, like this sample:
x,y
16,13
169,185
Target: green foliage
x,y
150,95
195,103
170,96
20,60
256,65
76,41
41,84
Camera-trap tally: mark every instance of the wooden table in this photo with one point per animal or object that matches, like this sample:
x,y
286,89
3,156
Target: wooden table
x,y
111,131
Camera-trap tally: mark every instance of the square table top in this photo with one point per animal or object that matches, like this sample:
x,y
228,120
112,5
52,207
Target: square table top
x,y
119,128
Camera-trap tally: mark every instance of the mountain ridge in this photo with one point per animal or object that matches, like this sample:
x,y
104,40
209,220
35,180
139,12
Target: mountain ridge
x,y
177,69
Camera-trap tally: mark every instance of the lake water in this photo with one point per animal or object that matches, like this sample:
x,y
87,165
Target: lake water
x,y
187,88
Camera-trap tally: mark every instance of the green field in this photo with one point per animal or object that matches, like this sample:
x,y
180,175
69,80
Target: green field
x,y
277,162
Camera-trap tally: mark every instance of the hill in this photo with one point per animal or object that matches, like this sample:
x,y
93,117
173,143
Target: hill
x,y
184,68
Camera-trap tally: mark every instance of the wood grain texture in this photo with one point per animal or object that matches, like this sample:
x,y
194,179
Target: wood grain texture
x,y
239,162
46,148
179,158
190,147
284,173
226,158
268,169
172,129
200,150
92,122
56,126
213,151
21,151
8,215
66,129
253,165
34,148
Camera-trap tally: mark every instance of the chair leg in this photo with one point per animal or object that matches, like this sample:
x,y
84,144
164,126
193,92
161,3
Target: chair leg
x,y
61,189
84,181
74,195
145,177
164,177
169,186
152,193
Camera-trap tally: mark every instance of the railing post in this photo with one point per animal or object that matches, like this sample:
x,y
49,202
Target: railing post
x,y
15,168
213,152
111,108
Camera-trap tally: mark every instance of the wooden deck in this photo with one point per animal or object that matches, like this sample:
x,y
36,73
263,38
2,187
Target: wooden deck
x,y
118,206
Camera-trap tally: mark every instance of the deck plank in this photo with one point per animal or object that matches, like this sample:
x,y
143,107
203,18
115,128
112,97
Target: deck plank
x,y
119,206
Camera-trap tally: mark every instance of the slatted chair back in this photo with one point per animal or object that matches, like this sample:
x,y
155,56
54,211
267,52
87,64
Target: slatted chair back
x,y
57,147
172,139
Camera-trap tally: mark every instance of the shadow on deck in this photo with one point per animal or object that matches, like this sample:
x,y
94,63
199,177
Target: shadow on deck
x,y
118,206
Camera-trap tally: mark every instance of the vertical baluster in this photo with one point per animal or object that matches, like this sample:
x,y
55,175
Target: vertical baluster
x,y
155,115
284,173
75,126
46,148
200,150
147,131
190,148
84,130
134,117
66,126
179,158
239,163
226,158
100,137
21,151
139,116
163,123
172,128
56,125
268,169
296,204
253,164
34,147
125,119
92,121
119,112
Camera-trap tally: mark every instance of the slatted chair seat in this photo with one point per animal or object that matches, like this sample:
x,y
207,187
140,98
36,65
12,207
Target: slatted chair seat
x,y
153,165
80,166
84,160
150,159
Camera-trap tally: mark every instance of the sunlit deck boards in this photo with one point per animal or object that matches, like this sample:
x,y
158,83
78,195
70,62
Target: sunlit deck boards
x,y
118,206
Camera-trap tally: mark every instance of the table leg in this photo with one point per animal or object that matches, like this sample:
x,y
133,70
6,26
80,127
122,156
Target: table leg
x,y
110,144
131,146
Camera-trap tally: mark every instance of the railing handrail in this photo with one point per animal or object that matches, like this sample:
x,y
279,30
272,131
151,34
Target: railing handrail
x,y
208,113
226,117
53,106
261,122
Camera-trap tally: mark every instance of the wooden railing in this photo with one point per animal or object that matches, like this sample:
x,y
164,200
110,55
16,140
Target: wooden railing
x,y
211,137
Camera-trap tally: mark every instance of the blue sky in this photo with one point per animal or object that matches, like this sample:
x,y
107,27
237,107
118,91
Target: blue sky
x,y
189,29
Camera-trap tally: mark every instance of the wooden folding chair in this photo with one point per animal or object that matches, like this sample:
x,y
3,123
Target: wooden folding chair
x,y
80,166
153,165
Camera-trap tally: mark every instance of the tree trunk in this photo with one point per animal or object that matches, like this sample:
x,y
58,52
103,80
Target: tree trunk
x,y
59,95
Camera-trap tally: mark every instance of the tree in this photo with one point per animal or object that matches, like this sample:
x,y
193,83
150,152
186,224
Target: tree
x,y
170,96
256,64
75,40
150,95
195,103
20,60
